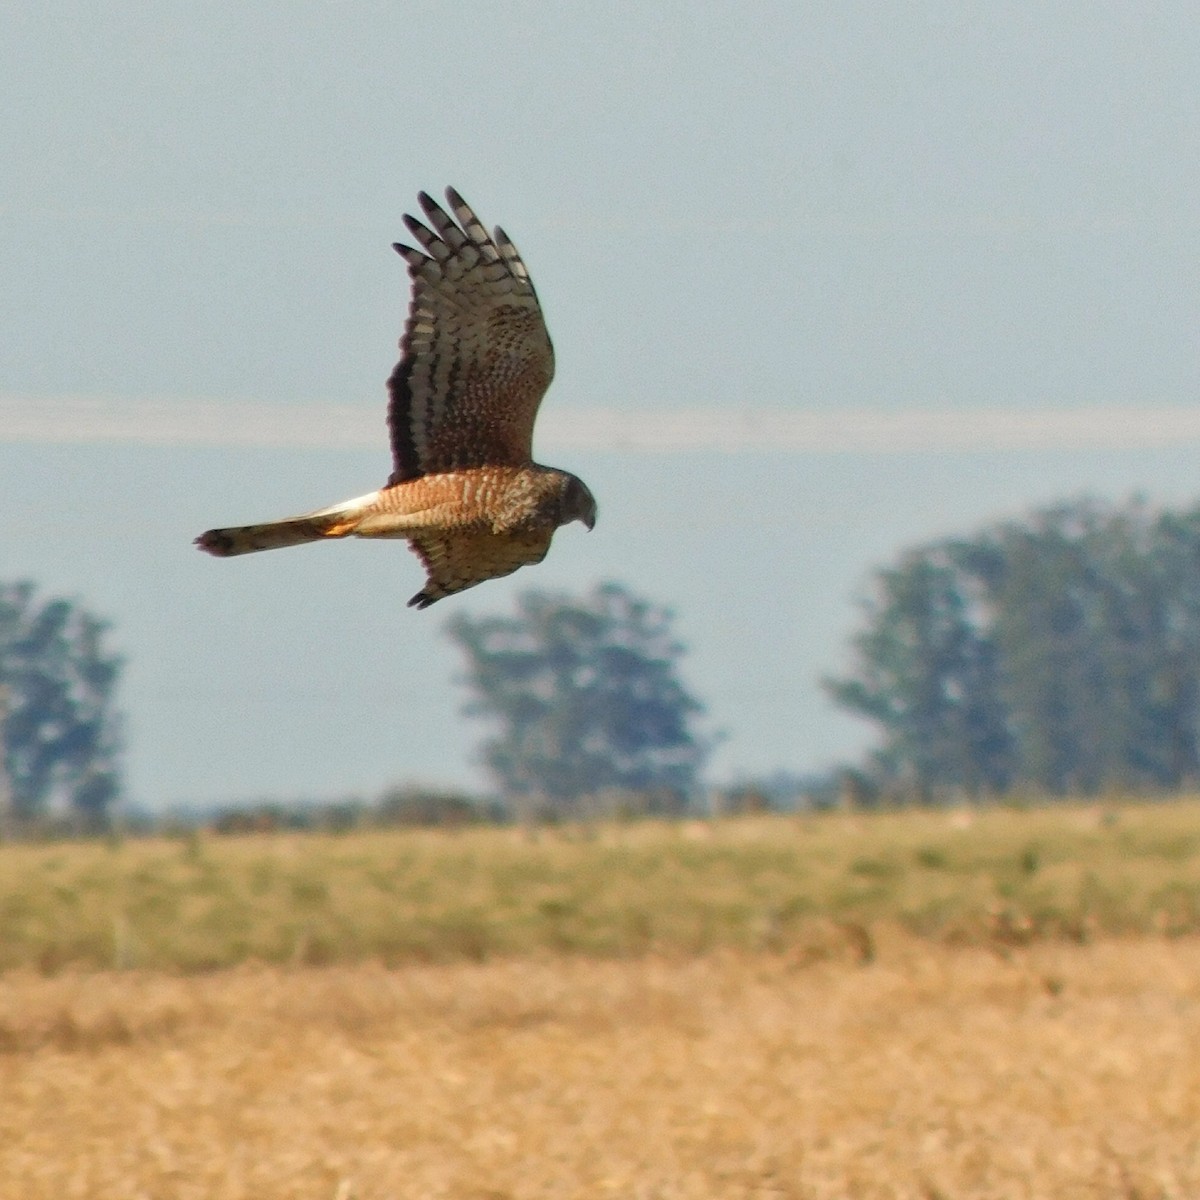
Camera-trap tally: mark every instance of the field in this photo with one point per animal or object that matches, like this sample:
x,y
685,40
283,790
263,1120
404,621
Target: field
x,y
931,1005
812,885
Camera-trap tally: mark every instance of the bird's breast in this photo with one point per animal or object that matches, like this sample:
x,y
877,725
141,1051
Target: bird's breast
x,y
497,497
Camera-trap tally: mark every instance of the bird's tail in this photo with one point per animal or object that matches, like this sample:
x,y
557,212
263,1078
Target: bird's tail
x,y
337,522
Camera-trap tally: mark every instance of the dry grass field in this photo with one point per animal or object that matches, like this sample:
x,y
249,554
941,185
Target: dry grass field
x,y
1057,1072
917,1005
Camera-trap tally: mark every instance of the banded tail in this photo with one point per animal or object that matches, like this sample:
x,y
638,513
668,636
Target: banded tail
x,y
339,521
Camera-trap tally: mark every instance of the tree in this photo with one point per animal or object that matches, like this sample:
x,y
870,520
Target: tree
x,y
1060,651
927,675
1077,614
586,697
1176,564
59,736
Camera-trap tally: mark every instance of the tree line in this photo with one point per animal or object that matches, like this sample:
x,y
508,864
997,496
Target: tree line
x,y
582,694
1058,653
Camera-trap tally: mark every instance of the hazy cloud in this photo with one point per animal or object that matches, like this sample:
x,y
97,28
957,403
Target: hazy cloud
x,y
166,421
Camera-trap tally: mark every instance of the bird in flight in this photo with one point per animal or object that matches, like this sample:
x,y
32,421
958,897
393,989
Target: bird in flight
x,y
475,362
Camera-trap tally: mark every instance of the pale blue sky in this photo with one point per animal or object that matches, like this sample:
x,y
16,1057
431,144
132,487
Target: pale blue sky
x,y
858,212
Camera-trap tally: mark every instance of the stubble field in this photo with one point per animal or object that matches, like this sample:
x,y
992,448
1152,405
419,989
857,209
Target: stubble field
x,y
901,1006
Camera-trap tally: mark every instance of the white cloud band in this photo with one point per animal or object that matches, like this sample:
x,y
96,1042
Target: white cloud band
x,y
184,422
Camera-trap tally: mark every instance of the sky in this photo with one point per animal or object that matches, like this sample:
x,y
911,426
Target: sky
x,y
825,281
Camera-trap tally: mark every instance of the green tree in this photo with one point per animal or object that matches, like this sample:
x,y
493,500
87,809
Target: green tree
x,y
585,697
926,674
1060,651
1078,615
1176,557
60,732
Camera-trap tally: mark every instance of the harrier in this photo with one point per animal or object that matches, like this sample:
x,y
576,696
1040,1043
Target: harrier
x,y
475,362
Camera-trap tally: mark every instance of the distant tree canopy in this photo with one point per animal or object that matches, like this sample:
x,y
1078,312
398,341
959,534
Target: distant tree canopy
x,y
1060,652
586,698
59,731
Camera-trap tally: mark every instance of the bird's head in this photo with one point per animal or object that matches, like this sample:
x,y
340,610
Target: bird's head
x,y
578,504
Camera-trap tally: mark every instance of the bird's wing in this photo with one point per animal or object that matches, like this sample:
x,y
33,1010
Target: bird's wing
x,y
455,561
475,356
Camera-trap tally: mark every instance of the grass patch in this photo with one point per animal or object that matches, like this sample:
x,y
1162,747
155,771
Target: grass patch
x,y
607,891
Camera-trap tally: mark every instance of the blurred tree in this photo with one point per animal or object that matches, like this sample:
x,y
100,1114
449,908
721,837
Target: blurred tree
x,y
59,737
587,699
1176,556
926,674
1060,652
1077,614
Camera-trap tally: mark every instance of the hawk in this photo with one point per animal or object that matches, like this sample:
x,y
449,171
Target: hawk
x,y
475,362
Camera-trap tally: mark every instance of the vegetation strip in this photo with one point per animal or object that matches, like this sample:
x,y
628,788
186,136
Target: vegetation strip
x,y
814,885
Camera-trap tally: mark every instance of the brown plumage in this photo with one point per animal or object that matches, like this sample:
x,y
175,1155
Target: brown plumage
x,y
475,362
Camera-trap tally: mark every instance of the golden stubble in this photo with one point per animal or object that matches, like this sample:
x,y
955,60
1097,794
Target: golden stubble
x,y
1055,1070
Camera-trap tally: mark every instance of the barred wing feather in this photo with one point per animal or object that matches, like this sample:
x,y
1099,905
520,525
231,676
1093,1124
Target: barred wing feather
x,y
475,356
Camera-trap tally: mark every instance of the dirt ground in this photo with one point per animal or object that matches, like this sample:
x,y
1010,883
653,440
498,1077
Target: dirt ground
x,y
1057,1072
